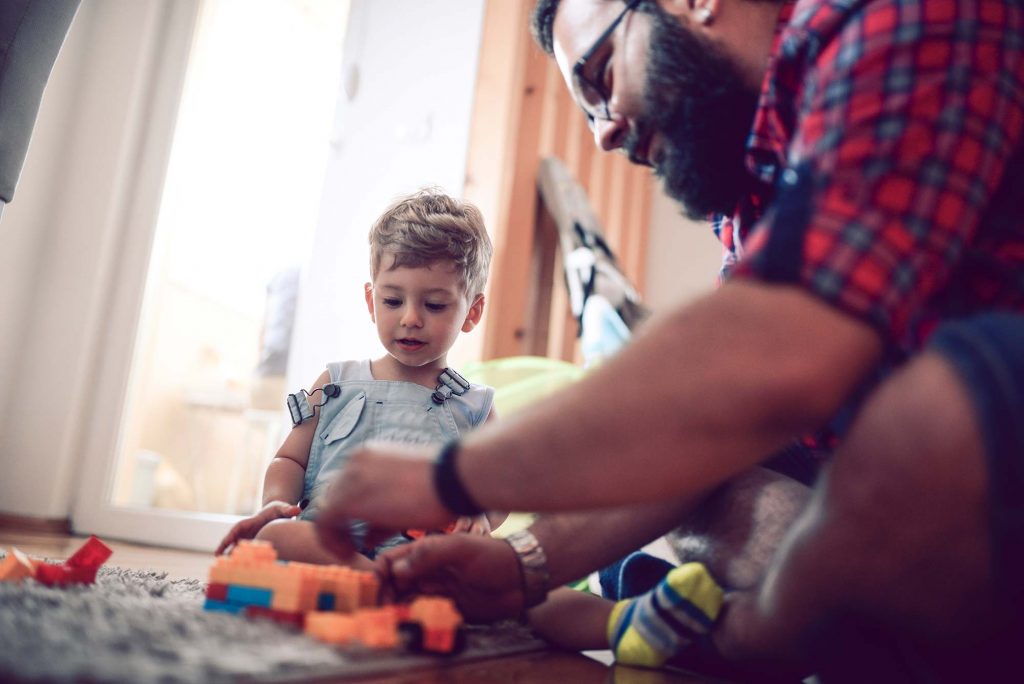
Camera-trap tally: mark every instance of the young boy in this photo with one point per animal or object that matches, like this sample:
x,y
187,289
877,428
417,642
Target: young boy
x,y
429,255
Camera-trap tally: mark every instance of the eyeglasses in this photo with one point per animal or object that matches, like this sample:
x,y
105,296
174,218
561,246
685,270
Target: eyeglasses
x,y
590,92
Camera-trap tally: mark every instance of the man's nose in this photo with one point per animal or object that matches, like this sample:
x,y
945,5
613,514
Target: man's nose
x,y
609,133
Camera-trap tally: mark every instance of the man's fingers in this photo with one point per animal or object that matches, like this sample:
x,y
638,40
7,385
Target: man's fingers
x,y
425,558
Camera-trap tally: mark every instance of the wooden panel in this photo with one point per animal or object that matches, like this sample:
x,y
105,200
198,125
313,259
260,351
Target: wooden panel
x,y
522,112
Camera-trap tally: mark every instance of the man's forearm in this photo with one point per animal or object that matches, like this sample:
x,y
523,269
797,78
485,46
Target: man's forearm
x,y
701,396
578,543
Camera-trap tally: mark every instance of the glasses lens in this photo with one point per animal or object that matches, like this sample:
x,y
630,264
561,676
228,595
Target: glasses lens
x,y
589,96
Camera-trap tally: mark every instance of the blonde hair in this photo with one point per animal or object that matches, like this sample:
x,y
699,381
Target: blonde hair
x,y
430,226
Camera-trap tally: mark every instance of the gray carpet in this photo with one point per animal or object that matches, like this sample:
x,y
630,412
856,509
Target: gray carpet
x,y
134,626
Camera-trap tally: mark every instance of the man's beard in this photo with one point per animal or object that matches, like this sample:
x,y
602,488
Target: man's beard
x,y
697,100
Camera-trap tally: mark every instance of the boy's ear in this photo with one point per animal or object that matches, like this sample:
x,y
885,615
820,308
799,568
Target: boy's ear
x,y
476,310
368,293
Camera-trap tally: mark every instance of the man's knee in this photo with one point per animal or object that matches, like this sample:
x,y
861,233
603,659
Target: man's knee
x,y
906,500
736,530
916,442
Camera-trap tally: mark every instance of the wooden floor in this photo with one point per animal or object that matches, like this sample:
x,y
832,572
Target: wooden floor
x,y
548,667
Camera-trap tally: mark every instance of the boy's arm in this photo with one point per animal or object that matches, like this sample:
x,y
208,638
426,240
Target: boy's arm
x,y
282,484
286,472
572,619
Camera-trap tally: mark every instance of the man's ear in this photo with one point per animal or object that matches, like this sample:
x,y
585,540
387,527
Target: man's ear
x,y
368,293
701,12
476,310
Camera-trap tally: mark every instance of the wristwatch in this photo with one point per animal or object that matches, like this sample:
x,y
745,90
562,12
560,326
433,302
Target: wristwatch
x,y
533,567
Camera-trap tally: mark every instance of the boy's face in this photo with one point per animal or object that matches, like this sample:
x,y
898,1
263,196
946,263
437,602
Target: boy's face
x,y
419,311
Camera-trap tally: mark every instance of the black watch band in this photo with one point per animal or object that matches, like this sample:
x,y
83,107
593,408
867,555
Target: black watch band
x,y
447,485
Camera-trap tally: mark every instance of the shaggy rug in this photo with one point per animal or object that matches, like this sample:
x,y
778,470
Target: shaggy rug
x,y
135,626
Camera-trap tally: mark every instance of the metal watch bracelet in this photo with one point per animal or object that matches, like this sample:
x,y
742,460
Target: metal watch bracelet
x,y
533,567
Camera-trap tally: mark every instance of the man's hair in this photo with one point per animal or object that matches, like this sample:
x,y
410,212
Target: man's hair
x,y
543,20
541,23
429,227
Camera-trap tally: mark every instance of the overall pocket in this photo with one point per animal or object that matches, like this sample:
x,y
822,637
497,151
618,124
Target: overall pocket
x,y
345,422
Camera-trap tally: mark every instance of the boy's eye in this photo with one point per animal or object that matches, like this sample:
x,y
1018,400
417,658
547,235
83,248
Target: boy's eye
x,y
436,307
392,303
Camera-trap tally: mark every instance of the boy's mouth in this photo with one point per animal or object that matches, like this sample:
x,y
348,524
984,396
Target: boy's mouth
x,y
410,344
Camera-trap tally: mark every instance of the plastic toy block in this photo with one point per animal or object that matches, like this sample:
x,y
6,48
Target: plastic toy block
x,y
91,555
333,628
255,577
222,606
16,567
345,588
298,600
378,627
285,618
217,592
249,596
368,588
439,621
60,575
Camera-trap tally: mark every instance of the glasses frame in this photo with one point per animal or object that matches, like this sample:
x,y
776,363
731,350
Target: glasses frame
x,y
579,77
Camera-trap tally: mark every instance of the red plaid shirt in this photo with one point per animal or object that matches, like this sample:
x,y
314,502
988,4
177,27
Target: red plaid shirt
x,y
889,165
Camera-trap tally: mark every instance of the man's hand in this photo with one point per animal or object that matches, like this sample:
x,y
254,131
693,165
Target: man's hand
x,y
478,524
389,487
480,573
250,527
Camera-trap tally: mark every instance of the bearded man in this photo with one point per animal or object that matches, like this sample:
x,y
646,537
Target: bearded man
x,y
864,163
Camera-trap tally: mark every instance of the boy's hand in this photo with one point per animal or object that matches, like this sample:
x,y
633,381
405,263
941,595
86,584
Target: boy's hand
x,y
473,525
249,527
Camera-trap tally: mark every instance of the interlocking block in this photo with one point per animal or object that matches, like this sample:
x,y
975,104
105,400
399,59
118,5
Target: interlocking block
x,y
16,566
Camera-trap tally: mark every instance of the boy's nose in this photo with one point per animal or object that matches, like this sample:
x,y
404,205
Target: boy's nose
x,y
411,317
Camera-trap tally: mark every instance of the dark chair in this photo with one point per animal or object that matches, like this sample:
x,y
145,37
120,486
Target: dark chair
x,y
31,34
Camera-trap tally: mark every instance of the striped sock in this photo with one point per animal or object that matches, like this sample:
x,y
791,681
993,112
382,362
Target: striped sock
x,y
650,629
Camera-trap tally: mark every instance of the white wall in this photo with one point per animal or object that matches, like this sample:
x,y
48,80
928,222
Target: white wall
x,y
80,207
683,256
410,74
77,235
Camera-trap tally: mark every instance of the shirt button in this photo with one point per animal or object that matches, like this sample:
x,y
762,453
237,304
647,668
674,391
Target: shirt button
x,y
790,177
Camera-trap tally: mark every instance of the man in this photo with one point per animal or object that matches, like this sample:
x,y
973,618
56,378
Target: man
x,y
869,158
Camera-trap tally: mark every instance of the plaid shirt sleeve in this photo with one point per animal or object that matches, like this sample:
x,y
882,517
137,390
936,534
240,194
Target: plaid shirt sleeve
x,y
907,115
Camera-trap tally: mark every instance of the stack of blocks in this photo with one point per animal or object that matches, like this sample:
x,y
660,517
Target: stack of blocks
x,y
252,581
332,603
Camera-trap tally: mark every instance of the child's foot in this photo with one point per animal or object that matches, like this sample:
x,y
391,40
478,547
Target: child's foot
x,y
678,613
635,574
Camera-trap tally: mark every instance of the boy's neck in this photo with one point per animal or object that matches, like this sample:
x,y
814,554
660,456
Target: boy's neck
x,y
389,368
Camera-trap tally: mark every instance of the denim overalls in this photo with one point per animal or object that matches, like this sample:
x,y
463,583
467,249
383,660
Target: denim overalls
x,y
394,411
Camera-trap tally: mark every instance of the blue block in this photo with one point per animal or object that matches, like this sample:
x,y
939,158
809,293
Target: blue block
x,y
249,596
222,606
325,602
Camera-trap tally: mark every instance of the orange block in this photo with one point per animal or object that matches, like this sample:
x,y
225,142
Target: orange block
x,y
16,567
333,628
440,621
378,627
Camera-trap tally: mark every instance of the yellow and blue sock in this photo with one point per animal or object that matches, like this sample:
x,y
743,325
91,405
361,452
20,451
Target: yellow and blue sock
x,y
650,629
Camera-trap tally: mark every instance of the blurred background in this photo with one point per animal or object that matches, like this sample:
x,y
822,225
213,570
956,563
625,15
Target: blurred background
x,y
188,242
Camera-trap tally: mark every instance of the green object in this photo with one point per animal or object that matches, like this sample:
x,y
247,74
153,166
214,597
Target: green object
x,y
520,380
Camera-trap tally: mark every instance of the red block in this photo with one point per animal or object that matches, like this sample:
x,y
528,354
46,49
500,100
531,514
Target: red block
x,y
284,617
217,592
92,554
60,575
